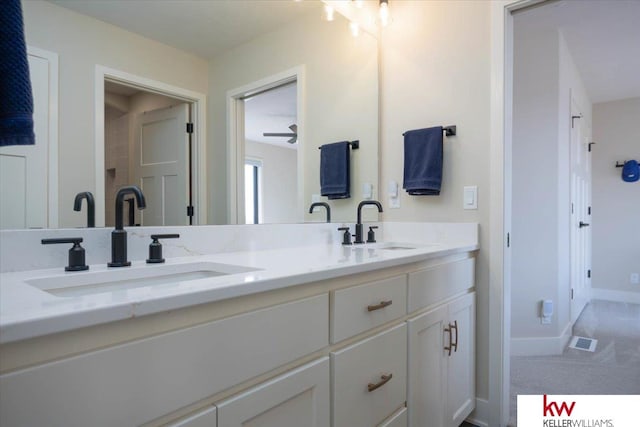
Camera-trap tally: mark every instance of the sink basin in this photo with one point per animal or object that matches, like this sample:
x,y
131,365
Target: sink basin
x,y
397,248
88,283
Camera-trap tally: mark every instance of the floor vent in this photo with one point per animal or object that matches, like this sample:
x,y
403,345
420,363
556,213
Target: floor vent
x,y
584,344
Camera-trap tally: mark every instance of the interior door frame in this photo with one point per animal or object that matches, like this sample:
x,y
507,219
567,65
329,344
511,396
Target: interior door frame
x,y
496,411
235,137
198,103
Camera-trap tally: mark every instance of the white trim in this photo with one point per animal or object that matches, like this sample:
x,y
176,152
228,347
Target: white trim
x,y
235,133
199,112
614,295
480,415
500,202
542,346
52,184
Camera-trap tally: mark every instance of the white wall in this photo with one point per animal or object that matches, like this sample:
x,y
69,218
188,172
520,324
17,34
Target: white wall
x,y
545,79
82,43
279,181
342,101
435,71
616,204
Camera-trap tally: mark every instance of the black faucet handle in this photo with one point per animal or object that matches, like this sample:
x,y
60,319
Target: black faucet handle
x,y
76,253
155,247
346,237
371,235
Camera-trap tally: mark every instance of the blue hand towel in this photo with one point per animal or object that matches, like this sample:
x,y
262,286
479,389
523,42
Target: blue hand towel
x,y
16,102
334,170
631,171
423,161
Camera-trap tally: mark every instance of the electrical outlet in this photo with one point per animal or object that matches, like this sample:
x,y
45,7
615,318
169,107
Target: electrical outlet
x,y
634,278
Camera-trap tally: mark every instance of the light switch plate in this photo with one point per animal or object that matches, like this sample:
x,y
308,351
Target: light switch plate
x,y
367,191
470,197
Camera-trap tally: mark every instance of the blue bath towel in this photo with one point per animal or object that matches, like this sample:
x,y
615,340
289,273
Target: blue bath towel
x,y
631,171
16,102
334,170
423,161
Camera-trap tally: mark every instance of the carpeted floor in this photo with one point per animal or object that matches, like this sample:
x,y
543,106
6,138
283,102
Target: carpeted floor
x,y
614,367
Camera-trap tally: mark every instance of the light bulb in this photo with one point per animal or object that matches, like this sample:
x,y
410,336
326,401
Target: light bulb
x,y
355,29
384,12
329,12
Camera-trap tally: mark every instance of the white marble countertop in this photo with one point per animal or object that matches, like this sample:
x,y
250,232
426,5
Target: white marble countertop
x,y
27,312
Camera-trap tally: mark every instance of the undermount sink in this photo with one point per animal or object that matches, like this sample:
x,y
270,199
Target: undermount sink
x,y
88,283
395,246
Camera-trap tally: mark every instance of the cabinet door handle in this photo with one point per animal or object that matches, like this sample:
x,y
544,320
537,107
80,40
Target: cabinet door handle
x,y
382,304
455,327
383,380
448,348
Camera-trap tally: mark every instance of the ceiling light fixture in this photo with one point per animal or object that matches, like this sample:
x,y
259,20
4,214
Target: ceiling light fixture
x,y
328,12
355,29
384,12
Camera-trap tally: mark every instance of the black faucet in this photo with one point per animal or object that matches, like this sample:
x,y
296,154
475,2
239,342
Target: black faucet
x,y
359,223
91,207
119,235
325,205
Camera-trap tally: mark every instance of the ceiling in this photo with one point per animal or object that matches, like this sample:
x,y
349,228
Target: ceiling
x,y
604,39
203,27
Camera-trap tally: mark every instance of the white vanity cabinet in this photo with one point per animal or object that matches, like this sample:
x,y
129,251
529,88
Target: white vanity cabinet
x,y
297,398
442,364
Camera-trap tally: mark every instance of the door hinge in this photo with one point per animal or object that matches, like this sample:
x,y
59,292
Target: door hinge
x,y
572,208
189,210
589,274
508,240
189,127
571,293
573,118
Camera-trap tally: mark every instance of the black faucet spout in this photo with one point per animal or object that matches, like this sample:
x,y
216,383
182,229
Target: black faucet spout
x,y
324,205
119,235
359,238
132,189
91,207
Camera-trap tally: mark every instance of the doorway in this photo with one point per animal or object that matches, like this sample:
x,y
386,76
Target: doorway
x,y
266,150
148,144
195,140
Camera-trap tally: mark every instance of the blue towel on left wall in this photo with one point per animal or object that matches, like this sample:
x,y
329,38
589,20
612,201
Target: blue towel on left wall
x,y
16,101
335,170
423,161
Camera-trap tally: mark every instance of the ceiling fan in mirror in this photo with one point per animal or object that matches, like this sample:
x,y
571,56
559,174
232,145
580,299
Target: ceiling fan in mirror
x,y
293,134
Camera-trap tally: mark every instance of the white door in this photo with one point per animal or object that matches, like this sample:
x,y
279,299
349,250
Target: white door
x,y
161,168
580,213
24,170
298,398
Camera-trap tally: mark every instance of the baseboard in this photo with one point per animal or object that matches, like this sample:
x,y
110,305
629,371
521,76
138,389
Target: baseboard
x,y
542,346
617,296
480,416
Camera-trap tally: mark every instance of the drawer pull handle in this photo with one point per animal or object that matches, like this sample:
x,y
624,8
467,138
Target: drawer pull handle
x,y
455,327
448,329
383,380
382,304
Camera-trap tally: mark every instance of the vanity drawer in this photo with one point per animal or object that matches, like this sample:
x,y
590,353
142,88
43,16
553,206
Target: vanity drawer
x,y
369,379
364,307
139,381
429,286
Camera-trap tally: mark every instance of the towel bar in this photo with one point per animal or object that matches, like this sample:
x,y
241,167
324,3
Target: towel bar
x,y
448,130
354,145
620,165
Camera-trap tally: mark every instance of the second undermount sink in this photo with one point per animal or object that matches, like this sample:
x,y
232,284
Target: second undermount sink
x,y
395,246
88,283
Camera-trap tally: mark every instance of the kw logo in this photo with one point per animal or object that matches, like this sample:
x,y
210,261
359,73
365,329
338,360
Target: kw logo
x,y
548,408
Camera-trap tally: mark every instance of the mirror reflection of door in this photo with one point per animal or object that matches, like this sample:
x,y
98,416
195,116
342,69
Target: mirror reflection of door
x,y
271,156
147,144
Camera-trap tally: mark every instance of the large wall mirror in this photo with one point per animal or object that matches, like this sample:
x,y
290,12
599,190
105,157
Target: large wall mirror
x,y
236,69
